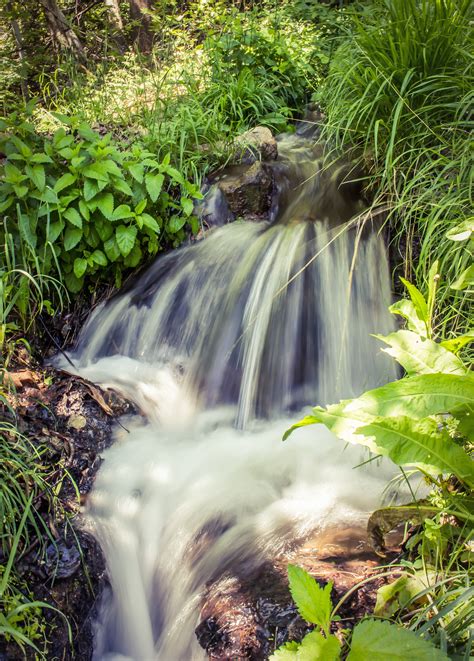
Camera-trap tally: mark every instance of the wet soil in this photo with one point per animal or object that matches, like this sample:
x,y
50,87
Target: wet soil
x,y
69,421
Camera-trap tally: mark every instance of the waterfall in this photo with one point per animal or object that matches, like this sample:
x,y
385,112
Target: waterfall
x,y
222,344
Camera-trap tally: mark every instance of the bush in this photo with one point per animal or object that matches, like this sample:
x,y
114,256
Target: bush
x,y
85,206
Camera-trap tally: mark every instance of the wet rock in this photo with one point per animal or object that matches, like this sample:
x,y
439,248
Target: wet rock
x,y
258,144
62,560
247,190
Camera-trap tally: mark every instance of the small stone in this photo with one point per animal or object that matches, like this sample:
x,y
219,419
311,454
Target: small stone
x,y
77,422
258,144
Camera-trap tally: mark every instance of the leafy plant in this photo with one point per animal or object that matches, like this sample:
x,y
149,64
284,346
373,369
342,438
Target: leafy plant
x,y
86,206
370,638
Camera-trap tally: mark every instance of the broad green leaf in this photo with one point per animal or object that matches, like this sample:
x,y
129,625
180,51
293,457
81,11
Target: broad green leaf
x,y
111,249
175,175
104,229
84,209
73,283
307,420
150,222
125,237
420,355
140,207
99,258
111,167
136,170
416,396
80,267
90,189
418,300
313,602
72,236
105,204
121,212
134,257
63,182
73,216
313,647
96,171
41,158
123,187
37,175
54,230
419,442
381,641
465,280
187,205
175,223
154,184
394,596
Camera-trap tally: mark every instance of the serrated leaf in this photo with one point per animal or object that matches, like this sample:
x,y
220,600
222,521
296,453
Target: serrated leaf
x,y
154,184
175,223
72,236
175,175
63,182
84,209
73,283
136,170
313,602
123,187
140,207
96,171
105,204
150,222
187,205
134,257
125,237
80,267
121,212
41,158
54,230
111,249
382,641
37,175
99,258
90,189
73,216
419,355
313,647
104,229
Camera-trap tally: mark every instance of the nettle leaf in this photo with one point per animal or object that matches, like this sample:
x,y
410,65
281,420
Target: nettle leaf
x,y
154,184
419,442
121,212
313,647
96,171
187,205
80,267
63,182
313,602
73,216
419,355
286,652
41,158
105,204
134,257
140,207
54,230
136,170
73,283
90,189
104,229
125,237
37,175
150,222
122,187
175,175
111,249
99,258
382,641
84,209
112,168
175,223
72,236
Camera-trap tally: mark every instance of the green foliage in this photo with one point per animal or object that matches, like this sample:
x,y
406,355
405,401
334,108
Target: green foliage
x,y
85,206
371,639
402,420
398,93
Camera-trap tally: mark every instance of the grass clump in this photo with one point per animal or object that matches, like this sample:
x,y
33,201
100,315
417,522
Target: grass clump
x,y
398,94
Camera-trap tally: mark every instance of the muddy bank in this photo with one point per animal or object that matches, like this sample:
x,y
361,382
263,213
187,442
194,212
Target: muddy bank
x,y
68,420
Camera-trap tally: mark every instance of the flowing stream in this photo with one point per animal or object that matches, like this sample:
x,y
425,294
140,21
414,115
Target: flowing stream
x,y
221,345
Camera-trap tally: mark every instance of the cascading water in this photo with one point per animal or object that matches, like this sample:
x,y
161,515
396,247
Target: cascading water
x,y
218,343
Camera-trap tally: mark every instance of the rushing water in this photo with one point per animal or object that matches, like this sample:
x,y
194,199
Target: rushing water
x,y
221,345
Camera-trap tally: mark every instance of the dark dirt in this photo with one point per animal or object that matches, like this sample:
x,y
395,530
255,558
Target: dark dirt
x,y
71,421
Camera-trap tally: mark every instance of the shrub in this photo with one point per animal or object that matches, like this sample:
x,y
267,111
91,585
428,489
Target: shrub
x,y
84,205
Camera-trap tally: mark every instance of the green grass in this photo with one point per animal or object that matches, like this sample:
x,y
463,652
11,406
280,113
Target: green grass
x,y
398,95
